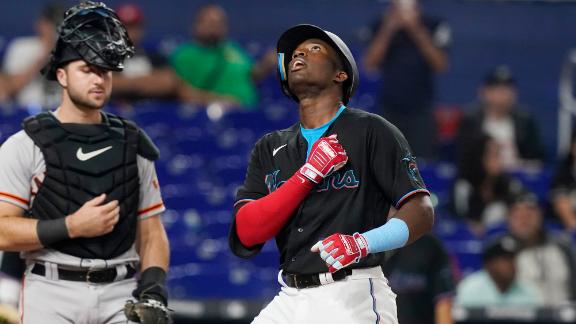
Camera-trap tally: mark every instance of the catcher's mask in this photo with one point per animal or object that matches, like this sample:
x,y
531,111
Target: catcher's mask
x,y
294,36
91,32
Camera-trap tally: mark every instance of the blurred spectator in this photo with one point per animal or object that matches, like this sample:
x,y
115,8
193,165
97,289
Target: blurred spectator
x,y
213,63
421,275
4,95
563,189
544,260
499,115
145,75
482,190
408,48
11,272
496,284
24,58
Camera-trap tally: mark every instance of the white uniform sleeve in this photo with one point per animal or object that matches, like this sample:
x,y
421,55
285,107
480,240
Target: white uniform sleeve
x,y
150,203
16,169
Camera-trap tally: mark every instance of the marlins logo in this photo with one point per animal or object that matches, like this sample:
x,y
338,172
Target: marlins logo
x,y
409,162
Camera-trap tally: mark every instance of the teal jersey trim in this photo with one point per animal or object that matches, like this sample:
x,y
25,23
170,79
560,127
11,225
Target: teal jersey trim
x,y
313,134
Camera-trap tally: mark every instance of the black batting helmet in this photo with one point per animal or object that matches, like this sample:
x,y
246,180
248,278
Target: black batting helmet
x,y
91,32
294,36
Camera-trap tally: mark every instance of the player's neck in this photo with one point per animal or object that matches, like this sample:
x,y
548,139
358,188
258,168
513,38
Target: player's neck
x,y
315,112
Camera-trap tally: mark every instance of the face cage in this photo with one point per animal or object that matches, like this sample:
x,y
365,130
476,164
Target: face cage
x,y
107,42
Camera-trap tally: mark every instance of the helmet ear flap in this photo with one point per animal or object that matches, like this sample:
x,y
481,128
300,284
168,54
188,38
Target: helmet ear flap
x,y
281,67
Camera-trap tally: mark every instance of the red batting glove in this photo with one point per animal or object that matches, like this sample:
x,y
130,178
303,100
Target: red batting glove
x,y
340,250
326,156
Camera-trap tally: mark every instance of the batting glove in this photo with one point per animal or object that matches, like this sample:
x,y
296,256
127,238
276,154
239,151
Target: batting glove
x,y
326,156
340,250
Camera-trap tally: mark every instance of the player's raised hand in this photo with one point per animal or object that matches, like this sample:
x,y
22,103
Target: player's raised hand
x,y
326,156
341,250
94,218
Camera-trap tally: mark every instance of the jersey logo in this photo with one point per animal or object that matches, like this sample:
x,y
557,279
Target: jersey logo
x,y
409,162
87,156
339,180
336,181
278,149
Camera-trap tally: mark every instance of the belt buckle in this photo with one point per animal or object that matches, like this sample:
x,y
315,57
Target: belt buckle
x,y
88,275
294,280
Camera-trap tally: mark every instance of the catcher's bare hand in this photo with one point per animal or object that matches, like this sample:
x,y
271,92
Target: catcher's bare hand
x,y
94,218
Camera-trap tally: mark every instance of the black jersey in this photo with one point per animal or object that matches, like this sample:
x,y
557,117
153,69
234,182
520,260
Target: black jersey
x,y
381,172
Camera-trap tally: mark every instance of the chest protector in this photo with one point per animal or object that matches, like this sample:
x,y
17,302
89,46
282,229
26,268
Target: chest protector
x,y
82,162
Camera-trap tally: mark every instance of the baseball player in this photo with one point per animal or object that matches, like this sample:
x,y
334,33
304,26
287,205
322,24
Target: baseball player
x,y
323,189
78,190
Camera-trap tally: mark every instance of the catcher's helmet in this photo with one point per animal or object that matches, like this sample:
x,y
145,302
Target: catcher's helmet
x,y
92,32
294,36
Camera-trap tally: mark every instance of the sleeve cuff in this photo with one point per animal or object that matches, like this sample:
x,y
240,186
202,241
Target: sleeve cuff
x,y
151,211
408,195
14,200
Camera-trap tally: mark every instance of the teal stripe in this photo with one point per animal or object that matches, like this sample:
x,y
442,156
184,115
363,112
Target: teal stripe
x,y
313,134
281,67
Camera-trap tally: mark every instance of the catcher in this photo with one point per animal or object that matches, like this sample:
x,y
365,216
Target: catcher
x,y
78,191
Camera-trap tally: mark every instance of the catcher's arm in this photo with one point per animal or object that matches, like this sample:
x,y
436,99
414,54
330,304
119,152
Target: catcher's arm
x,y
152,244
152,299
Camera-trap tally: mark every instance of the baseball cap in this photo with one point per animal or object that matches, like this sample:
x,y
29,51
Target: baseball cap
x,y
500,75
526,197
501,246
130,14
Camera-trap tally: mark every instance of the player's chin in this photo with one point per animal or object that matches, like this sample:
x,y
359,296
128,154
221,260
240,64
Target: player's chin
x,y
297,76
97,101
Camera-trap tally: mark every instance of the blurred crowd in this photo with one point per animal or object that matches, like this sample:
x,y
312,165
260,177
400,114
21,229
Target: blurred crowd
x,y
527,256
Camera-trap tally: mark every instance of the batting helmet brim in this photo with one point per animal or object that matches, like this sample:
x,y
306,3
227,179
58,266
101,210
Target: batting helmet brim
x,y
294,36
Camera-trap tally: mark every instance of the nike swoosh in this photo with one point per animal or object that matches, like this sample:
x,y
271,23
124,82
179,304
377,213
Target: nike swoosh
x,y
87,156
277,149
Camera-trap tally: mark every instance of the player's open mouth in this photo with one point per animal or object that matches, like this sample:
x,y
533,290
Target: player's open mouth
x,y
297,64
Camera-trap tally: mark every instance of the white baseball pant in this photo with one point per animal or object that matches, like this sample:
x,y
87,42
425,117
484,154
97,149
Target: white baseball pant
x,y
363,297
49,300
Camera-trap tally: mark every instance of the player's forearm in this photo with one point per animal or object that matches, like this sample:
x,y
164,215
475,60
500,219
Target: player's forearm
x,y
18,234
418,214
153,245
410,222
260,220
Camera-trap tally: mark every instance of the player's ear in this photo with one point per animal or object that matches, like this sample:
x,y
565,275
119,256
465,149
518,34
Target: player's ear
x,y
340,76
62,77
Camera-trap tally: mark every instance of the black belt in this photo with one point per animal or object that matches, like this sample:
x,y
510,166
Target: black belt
x,y
313,280
92,276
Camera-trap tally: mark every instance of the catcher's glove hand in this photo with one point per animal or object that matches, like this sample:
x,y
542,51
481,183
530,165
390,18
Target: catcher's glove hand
x,y
147,311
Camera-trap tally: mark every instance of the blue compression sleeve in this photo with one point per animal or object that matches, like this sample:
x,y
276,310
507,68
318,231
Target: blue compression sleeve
x,y
392,235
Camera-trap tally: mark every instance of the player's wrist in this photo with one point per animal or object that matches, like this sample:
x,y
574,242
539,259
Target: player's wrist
x,y
311,173
152,285
362,244
50,231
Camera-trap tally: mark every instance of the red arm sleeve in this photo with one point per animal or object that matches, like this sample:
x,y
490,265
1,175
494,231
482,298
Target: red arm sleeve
x,y
260,220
